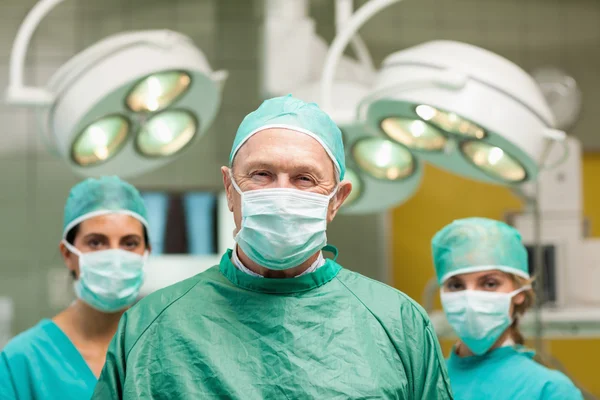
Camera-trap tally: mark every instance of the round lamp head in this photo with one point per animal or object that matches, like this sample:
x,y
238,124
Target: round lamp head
x,y
463,109
384,174
131,103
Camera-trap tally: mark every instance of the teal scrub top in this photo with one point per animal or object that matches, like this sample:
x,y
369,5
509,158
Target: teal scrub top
x,y
42,363
507,373
223,334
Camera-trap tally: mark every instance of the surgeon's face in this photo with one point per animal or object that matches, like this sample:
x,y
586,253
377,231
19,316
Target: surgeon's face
x,y
281,158
105,232
488,281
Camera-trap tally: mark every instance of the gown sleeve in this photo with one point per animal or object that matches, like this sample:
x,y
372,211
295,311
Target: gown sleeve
x,y
561,389
7,386
111,381
433,382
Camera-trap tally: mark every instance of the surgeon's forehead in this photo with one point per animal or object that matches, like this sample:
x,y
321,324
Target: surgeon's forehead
x,y
284,148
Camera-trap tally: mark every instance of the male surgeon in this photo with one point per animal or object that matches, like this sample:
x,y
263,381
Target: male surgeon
x,y
275,319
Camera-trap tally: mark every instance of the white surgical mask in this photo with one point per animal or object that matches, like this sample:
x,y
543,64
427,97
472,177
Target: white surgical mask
x,y
478,317
109,280
282,228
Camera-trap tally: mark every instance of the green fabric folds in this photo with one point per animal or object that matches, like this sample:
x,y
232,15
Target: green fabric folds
x,y
331,334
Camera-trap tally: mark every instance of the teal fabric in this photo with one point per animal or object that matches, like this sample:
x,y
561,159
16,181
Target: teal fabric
x,y
42,363
507,373
223,334
108,193
471,243
295,113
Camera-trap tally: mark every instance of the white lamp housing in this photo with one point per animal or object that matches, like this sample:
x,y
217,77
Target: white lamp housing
x,y
96,83
128,104
489,98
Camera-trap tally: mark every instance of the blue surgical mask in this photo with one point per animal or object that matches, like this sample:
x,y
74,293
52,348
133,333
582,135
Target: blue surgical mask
x,y
478,317
282,228
109,280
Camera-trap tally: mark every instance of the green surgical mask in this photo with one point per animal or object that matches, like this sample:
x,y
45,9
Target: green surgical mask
x,y
109,280
282,228
478,317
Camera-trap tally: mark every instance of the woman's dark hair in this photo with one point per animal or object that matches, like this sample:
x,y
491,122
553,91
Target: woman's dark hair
x,y
70,238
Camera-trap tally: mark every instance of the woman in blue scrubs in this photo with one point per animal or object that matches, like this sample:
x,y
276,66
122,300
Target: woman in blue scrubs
x,y
482,269
104,246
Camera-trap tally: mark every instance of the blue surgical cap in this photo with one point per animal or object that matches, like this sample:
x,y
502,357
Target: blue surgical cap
x,y
290,113
478,244
106,195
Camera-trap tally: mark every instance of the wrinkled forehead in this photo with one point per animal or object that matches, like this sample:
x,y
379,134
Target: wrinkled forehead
x,y
295,130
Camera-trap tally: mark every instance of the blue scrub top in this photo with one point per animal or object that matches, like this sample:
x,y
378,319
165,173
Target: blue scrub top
x,y
507,373
42,363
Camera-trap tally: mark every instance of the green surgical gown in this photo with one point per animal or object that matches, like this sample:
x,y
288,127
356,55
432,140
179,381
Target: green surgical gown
x,y
507,373
331,334
42,363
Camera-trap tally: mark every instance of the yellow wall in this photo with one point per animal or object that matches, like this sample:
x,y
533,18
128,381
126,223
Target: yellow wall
x,y
444,197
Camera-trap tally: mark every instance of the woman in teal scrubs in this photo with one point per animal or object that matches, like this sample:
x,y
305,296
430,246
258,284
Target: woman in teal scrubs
x,y
104,246
482,269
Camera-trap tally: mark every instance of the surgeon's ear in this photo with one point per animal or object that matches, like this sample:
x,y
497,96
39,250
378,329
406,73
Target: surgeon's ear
x,y
519,299
71,260
228,187
344,189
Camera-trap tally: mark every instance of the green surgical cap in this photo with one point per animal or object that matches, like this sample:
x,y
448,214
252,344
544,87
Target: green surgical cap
x,y
478,244
106,195
290,113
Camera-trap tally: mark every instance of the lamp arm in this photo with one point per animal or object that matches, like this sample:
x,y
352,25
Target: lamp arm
x,y
20,94
17,92
362,15
343,13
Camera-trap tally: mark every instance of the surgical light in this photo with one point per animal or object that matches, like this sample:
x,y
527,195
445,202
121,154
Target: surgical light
x,y
126,105
493,116
458,106
158,91
449,122
166,133
414,134
494,161
100,140
383,173
383,159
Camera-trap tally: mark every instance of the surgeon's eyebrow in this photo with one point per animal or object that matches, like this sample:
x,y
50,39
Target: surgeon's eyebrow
x,y
294,167
95,235
253,165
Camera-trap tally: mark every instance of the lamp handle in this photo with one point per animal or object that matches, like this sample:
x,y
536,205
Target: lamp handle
x,y
555,136
336,50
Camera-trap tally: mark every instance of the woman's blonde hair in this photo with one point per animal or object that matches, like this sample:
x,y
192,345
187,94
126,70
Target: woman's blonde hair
x,y
520,309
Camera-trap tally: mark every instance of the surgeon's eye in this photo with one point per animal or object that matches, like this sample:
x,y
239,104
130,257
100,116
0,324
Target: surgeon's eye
x,y
305,181
260,176
95,243
491,284
130,244
454,285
